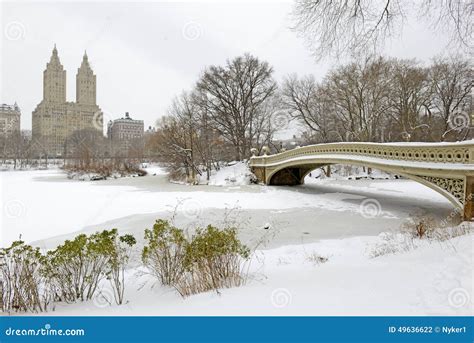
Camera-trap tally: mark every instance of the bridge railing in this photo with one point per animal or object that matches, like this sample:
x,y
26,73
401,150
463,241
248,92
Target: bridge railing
x,y
458,152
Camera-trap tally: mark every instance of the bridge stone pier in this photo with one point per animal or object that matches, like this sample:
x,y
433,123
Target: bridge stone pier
x,y
447,168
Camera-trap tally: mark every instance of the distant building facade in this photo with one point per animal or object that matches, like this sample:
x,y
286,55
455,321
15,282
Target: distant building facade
x,y
125,133
27,134
10,116
151,130
55,119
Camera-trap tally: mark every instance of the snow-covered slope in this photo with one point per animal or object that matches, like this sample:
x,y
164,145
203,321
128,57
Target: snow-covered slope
x,y
326,218
434,279
234,174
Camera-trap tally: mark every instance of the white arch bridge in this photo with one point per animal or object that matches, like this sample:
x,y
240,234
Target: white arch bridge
x,y
447,168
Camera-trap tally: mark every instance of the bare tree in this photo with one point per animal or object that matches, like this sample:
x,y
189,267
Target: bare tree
x,y
174,143
211,147
16,148
385,100
85,148
309,104
451,82
353,27
235,97
359,94
409,96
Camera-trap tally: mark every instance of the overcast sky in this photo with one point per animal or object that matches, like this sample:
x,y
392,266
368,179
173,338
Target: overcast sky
x,y
145,53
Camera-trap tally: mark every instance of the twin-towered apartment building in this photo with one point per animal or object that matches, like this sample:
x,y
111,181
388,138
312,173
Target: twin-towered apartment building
x,y
55,119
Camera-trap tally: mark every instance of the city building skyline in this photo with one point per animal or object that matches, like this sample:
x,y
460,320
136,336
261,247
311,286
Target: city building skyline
x,y
10,117
186,38
125,133
55,119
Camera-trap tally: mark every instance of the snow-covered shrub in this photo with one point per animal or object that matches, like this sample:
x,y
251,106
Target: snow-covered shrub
x,y
76,267
22,286
211,259
102,171
445,233
315,258
119,256
419,227
425,227
392,243
72,270
165,251
416,234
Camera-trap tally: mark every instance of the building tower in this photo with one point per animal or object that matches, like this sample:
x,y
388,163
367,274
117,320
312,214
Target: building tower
x,y
85,83
54,80
55,120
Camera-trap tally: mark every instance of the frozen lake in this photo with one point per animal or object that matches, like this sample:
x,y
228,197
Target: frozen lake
x,y
39,205
326,217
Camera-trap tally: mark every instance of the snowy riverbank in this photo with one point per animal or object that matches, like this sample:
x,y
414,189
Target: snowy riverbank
x,y
336,219
42,204
434,279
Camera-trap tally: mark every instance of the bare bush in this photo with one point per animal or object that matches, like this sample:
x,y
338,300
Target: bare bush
x,y
392,243
315,258
75,268
415,232
213,261
119,255
73,275
419,227
444,234
22,286
105,169
165,252
209,260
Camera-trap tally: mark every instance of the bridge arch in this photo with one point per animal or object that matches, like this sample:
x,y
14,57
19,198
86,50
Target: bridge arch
x,y
279,175
447,168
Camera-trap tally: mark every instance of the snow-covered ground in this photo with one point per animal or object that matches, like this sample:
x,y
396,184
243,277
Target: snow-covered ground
x,y
337,219
435,279
234,174
43,204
